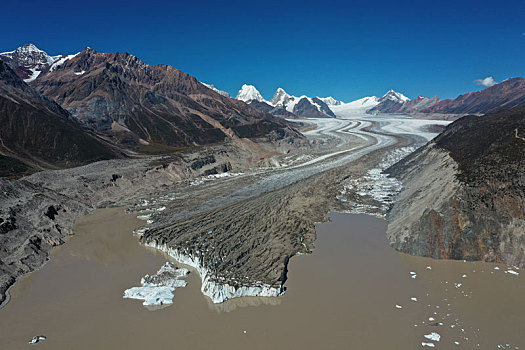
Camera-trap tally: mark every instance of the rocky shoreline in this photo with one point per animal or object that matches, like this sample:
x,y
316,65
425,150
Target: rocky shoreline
x,y
37,212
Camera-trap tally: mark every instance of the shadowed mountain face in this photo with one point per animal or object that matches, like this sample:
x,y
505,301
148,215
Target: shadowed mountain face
x,y
37,133
135,103
275,111
464,194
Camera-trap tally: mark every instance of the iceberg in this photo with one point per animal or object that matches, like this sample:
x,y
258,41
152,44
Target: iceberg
x,y
158,289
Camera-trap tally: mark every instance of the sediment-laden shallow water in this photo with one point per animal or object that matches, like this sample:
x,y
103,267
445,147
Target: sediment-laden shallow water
x,y
353,292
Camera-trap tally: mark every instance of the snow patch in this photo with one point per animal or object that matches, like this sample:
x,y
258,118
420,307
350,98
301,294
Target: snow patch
x,y
33,76
61,61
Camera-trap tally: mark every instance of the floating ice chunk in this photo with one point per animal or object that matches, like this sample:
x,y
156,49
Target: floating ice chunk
x,y
152,295
430,345
144,217
140,231
158,289
398,306
433,336
37,338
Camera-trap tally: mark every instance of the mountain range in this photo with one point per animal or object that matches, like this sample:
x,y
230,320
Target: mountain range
x,y
68,110
284,105
507,94
117,100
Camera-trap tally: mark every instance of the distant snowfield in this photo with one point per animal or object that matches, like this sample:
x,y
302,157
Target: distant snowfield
x,y
357,107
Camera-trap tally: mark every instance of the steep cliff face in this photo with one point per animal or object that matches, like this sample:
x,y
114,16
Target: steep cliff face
x,y
464,195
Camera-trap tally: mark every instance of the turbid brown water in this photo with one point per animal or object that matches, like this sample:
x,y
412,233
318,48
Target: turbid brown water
x,y
343,296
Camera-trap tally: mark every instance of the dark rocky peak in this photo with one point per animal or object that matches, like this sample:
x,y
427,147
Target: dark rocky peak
x,y
323,107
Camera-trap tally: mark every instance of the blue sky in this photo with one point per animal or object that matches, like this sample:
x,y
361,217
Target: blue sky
x,y
341,48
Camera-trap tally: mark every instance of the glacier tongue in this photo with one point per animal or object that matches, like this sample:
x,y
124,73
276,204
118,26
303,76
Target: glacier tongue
x,y
218,292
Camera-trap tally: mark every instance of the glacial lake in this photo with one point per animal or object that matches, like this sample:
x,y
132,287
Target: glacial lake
x,y
353,292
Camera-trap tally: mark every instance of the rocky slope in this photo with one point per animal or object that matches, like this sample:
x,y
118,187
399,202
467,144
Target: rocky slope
x,y
464,194
220,92
407,107
37,133
508,94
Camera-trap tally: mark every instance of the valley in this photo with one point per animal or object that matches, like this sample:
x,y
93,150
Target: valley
x,y
123,180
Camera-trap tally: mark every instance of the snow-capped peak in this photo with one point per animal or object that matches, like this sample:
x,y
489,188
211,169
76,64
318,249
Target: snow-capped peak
x,y
249,93
394,96
211,86
29,55
280,98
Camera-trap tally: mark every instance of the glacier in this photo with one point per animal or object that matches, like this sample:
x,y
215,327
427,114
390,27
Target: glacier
x,y
218,292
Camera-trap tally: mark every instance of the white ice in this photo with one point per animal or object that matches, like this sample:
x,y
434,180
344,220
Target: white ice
x,y
433,336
